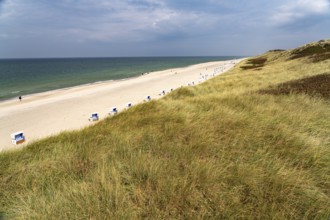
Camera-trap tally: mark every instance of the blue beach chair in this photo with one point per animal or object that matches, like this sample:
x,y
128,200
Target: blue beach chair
x,y
17,138
94,117
113,111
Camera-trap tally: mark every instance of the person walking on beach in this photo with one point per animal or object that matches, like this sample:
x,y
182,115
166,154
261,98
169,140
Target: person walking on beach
x,y
20,98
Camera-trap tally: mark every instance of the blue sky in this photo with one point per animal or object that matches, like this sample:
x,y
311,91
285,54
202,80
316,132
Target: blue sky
x,y
112,28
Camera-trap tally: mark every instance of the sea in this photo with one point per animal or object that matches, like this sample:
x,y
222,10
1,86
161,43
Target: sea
x,y
20,77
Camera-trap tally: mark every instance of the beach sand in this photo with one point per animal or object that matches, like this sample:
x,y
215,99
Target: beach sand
x,y
49,113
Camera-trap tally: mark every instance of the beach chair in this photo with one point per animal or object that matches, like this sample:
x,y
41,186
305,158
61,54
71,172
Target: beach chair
x,y
94,117
17,138
113,111
162,92
148,98
128,105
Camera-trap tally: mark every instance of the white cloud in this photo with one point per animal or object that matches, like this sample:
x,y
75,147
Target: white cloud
x,y
295,10
133,21
105,20
171,26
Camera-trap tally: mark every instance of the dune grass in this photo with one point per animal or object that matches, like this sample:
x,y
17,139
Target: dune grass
x,y
219,150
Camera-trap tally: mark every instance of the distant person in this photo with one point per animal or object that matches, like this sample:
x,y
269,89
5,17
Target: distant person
x,y
20,98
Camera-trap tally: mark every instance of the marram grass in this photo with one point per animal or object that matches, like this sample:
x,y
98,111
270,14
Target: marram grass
x,y
220,150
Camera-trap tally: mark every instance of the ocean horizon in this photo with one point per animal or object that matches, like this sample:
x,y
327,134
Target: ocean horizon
x,y
20,77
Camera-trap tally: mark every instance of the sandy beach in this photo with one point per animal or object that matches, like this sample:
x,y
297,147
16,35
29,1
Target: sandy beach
x,y
49,113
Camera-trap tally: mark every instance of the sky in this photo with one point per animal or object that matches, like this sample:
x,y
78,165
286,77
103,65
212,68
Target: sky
x,y
129,28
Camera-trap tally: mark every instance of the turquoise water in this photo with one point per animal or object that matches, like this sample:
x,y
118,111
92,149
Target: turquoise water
x,y
19,77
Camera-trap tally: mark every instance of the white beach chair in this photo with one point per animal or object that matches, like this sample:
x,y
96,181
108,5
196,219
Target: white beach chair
x,y
148,98
128,105
17,138
113,111
94,117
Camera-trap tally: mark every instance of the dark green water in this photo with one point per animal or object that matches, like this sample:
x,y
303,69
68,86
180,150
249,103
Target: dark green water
x,y
19,77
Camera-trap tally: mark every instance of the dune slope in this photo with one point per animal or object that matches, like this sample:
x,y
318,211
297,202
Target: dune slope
x,y
225,149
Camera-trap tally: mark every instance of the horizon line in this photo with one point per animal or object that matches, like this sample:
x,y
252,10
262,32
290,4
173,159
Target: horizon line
x,y
105,57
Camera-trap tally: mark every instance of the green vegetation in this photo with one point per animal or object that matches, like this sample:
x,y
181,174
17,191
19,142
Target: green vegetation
x,y
255,63
219,150
314,51
318,85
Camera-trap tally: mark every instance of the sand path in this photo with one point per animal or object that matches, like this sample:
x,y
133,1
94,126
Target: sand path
x,y
49,113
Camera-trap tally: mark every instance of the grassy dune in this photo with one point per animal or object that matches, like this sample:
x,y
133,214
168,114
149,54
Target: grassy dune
x,y
230,148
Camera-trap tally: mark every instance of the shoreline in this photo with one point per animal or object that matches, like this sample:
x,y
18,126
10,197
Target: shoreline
x,y
14,94
48,113
14,99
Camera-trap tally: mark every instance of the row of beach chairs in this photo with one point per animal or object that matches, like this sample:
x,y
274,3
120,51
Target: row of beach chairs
x,y
95,116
